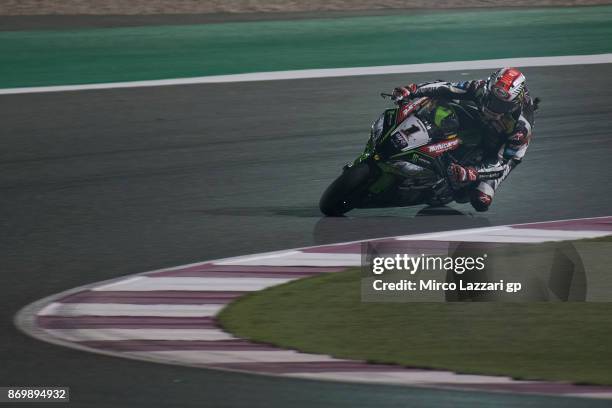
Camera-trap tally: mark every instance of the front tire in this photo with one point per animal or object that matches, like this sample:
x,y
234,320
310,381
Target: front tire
x,y
344,193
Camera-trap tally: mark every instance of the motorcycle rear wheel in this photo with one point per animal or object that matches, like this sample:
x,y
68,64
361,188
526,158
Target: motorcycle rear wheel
x,y
345,192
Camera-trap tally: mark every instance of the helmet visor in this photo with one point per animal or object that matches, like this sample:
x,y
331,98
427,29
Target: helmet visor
x,y
497,105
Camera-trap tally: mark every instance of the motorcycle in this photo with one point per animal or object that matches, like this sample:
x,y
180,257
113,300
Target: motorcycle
x,y
404,162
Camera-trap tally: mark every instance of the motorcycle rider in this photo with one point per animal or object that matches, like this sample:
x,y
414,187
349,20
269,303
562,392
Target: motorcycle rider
x,y
506,116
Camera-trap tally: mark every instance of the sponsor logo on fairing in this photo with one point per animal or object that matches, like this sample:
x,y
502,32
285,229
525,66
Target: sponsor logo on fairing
x,y
437,149
417,159
405,111
399,140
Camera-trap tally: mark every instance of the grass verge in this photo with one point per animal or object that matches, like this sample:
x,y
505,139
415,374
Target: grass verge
x,y
324,314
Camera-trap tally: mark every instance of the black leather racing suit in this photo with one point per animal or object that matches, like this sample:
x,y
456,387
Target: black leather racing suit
x,y
505,140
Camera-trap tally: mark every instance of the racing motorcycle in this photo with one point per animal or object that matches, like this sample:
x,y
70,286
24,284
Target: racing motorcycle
x,y
405,162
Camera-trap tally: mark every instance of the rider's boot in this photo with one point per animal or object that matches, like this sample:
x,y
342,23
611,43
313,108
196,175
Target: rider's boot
x,y
482,196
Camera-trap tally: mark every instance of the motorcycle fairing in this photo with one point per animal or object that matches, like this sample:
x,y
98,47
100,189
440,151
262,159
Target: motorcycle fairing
x,y
410,134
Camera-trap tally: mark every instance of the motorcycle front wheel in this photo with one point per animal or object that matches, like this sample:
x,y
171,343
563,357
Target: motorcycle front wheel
x,y
345,192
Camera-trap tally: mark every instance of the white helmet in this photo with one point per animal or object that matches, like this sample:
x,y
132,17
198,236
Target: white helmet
x,y
504,92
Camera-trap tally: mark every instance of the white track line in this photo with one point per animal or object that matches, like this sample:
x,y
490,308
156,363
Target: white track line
x,y
506,234
331,73
258,257
143,283
113,309
108,334
300,259
232,356
527,236
408,377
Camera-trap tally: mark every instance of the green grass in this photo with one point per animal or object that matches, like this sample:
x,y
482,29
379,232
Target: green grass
x,y
33,58
324,314
607,238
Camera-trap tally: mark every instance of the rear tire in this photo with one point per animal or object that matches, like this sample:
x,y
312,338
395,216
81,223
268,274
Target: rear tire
x,y
344,193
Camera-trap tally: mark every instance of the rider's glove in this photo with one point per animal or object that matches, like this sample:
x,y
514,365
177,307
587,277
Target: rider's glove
x,y
462,175
403,92
515,142
519,138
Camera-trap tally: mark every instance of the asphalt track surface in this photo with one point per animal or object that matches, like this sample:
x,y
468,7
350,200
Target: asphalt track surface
x,y
99,184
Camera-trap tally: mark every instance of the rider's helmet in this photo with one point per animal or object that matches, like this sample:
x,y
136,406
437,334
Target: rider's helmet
x,y
503,92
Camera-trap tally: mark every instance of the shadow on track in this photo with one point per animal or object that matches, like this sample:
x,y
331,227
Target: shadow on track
x,y
338,229
286,211
352,228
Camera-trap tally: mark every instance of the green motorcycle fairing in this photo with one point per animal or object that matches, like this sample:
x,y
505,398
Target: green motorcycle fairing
x,y
444,118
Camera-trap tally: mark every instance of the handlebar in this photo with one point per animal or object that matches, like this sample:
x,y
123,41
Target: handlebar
x,y
397,99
